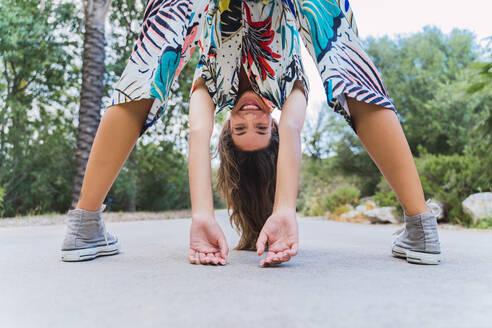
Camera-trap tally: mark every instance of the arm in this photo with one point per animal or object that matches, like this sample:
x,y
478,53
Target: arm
x,y
206,236
201,122
289,155
280,230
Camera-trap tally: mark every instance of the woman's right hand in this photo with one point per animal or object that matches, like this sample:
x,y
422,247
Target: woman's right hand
x,y
208,240
206,237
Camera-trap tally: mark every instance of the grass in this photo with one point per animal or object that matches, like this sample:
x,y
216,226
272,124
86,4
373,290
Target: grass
x,y
485,224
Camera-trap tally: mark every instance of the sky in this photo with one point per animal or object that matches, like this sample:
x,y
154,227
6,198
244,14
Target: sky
x,y
381,17
399,17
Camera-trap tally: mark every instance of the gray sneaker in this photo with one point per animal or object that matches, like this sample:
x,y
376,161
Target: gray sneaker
x,y
86,236
418,240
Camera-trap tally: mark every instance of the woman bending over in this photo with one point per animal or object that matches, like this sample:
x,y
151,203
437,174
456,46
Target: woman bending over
x,y
256,42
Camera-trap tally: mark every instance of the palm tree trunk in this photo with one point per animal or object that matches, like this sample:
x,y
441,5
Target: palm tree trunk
x,y
92,91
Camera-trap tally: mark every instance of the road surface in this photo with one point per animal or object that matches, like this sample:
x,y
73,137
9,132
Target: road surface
x,y
343,276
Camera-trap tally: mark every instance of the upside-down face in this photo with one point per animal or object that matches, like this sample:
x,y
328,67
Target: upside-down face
x,y
251,122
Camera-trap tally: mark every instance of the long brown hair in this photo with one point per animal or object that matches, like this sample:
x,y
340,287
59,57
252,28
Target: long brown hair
x,y
246,180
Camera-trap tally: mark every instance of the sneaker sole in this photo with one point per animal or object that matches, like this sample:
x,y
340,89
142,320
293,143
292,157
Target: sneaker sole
x,y
90,253
416,257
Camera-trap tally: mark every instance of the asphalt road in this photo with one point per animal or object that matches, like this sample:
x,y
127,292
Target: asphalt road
x,y
343,276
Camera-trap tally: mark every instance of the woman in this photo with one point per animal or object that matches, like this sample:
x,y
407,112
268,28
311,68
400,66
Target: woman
x,y
258,41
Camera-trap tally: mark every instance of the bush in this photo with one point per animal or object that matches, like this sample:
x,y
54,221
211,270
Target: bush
x,y
452,178
385,196
314,179
341,209
483,224
155,178
38,179
342,195
448,178
322,189
330,198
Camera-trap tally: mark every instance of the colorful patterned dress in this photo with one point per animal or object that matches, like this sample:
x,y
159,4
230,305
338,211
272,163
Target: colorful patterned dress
x,y
261,35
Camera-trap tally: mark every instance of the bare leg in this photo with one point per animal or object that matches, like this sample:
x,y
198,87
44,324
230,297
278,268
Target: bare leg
x,y
382,136
115,138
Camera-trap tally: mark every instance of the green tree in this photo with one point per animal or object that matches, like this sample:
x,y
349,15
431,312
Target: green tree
x,y
38,73
353,160
482,85
321,132
427,75
423,74
126,24
133,189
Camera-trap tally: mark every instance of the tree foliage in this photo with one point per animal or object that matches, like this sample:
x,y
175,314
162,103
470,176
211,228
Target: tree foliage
x,y
426,75
37,76
441,85
443,94
164,186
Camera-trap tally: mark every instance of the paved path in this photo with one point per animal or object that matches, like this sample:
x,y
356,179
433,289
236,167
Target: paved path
x,y
343,276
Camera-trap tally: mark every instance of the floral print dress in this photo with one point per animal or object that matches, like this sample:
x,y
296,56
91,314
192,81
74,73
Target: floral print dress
x,y
262,36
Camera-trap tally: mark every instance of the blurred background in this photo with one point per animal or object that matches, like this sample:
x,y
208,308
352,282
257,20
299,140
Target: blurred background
x,y
435,59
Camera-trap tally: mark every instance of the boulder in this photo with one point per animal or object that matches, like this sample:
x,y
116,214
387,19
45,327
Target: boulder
x,y
478,206
361,208
350,215
365,204
365,207
386,214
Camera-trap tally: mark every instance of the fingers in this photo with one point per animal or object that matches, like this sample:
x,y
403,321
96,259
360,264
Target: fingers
x,y
278,257
220,259
285,256
260,243
293,249
206,258
192,256
203,258
269,259
275,258
224,250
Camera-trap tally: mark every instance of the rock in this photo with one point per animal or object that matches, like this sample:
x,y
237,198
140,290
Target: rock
x,y
367,199
366,204
361,208
436,207
350,215
386,214
478,206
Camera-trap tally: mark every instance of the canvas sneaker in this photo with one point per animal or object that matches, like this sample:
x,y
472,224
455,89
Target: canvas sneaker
x,y
86,237
418,239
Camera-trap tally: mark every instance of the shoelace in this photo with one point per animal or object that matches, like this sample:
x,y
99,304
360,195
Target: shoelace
x,y
104,225
432,206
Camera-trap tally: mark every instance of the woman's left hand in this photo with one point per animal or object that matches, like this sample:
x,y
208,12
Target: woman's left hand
x,y
281,233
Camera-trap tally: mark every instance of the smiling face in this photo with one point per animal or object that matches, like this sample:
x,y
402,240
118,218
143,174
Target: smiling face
x,y
251,122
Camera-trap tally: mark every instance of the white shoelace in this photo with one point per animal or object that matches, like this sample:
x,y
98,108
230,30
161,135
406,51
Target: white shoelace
x,y
104,225
433,206
435,209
